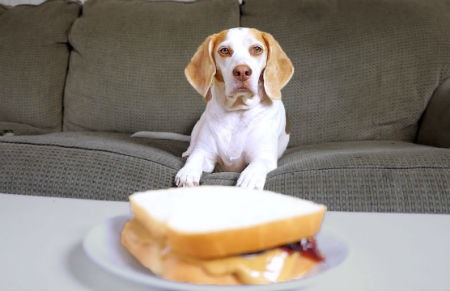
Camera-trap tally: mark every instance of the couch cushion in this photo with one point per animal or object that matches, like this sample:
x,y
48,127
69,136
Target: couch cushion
x,y
382,176
365,69
127,67
87,165
34,57
354,176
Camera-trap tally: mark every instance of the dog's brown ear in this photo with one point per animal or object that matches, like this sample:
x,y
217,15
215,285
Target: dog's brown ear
x,y
279,68
201,69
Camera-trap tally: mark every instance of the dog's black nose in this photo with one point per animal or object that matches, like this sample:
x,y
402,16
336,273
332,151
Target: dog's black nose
x,y
242,73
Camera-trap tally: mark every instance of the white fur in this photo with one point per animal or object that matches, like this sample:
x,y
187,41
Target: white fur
x,y
249,137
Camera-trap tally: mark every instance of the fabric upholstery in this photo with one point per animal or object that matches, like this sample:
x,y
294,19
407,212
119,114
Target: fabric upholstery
x,y
127,67
355,176
368,176
34,57
383,176
86,165
435,125
365,69
369,73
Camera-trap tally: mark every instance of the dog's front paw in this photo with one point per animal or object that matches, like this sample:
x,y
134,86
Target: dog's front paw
x,y
188,177
253,177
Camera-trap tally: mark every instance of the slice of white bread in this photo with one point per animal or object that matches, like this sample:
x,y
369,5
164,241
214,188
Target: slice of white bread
x,y
216,221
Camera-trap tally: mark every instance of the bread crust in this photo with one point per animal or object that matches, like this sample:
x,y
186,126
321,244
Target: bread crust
x,y
139,243
245,240
168,265
156,228
177,269
151,255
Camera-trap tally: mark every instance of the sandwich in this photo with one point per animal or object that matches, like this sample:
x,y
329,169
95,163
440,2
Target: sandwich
x,y
223,235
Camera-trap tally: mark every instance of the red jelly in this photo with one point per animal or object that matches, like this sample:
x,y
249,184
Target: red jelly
x,y
307,247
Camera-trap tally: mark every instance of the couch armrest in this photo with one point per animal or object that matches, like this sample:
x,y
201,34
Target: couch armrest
x,y
434,128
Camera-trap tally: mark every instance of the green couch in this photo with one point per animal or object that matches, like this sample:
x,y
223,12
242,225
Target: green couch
x,y
369,102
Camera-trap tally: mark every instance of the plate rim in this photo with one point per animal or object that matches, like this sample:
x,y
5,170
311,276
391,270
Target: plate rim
x,y
155,281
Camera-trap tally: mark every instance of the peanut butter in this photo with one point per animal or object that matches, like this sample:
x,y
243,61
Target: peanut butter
x,y
274,265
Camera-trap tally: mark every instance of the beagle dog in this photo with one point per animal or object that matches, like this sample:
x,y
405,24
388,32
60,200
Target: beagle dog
x,y
240,73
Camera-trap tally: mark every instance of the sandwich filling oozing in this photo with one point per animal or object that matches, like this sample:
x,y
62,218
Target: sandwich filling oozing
x,y
277,264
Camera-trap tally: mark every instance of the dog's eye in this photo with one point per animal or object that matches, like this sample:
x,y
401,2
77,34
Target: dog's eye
x,y
256,50
225,52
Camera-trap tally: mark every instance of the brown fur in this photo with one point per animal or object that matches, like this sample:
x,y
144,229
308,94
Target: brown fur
x,y
202,68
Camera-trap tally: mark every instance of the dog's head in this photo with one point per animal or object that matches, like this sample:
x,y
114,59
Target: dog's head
x,y
242,60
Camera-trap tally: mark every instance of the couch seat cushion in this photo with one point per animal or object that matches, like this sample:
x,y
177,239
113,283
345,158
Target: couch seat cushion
x,y
385,176
368,176
87,165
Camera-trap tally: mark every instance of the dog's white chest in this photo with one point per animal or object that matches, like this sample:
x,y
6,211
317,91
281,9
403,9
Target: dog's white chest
x,y
231,140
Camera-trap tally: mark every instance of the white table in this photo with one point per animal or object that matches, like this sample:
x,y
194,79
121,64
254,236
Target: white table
x,y
40,248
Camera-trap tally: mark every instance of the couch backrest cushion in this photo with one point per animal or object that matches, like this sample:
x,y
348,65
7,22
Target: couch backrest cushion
x,y
365,69
34,57
127,67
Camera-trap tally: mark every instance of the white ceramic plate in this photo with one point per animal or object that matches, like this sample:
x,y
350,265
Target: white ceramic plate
x,y
102,245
